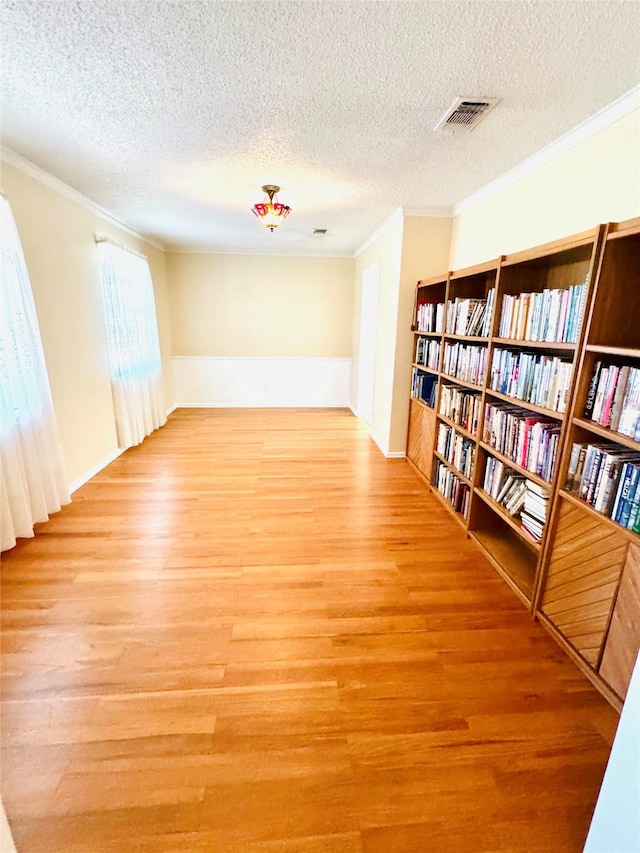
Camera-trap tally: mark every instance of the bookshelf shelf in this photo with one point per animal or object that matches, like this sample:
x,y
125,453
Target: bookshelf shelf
x,y
515,561
457,515
456,426
426,369
452,467
469,338
513,523
621,352
526,344
539,410
604,432
511,464
455,381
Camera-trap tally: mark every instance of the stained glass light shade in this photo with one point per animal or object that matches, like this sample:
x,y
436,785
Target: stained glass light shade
x,y
270,211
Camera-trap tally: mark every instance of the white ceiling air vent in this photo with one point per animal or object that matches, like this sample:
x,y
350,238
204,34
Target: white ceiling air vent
x,y
466,113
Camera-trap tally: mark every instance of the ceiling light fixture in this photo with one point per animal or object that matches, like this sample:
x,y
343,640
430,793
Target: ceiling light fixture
x,y
270,211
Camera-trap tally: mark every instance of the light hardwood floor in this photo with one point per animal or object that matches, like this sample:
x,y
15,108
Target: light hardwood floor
x,y
254,634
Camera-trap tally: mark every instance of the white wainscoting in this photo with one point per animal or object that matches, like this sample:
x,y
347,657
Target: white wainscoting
x,y
262,382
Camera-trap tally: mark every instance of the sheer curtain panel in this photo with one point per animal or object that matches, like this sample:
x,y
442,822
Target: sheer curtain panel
x,y
132,343
33,479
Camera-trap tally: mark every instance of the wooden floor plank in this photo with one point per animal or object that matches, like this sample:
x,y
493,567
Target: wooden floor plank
x,y
254,634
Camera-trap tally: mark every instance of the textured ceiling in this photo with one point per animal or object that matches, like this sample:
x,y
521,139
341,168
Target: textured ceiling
x,y
171,115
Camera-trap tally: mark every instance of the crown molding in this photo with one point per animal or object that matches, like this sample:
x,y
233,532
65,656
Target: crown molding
x,y
8,155
195,250
433,212
390,221
601,120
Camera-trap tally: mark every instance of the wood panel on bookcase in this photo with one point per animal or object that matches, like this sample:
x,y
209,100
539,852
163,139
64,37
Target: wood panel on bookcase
x,y
623,640
584,571
421,437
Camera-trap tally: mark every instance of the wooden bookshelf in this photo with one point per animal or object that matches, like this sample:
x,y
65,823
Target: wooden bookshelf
x,y
588,591
576,301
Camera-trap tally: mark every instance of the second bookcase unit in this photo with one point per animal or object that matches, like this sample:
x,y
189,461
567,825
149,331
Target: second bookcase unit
x,y
469,316
589,592
541,301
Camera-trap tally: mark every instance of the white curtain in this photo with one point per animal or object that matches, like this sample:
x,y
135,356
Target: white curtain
x,y
133,345
33,479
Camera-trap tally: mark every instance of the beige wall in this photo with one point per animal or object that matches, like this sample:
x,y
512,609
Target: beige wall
x,y
260,305
387,250
410,248
425,254
598,180
57,236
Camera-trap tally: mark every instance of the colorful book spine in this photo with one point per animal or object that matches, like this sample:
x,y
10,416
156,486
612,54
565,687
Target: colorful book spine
x,y
430,317
428,353
456,449
461,406
543,380
453,489
529,440
465,361
607,477
613,398
551,315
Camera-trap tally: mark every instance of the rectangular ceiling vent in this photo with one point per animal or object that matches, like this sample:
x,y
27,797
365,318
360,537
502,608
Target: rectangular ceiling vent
x,y
320,232
466,113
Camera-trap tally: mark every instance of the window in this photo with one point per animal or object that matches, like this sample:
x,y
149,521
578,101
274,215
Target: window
x,y
33,482
132,342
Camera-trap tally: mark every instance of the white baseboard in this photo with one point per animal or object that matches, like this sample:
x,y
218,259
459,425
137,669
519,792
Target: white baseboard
x,y
172,409
388,454
84,478
210,382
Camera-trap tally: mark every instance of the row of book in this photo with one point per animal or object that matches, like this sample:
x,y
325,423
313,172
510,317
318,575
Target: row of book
x,y
456,449
457,492
607,477
518,495
424,387
470,316
461,406
430,317
543,380
428,353
465,361
552,315
505,486
529,440
613,398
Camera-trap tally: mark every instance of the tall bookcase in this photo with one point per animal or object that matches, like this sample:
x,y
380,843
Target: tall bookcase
x,y
506,408
588,592
528,335
468,322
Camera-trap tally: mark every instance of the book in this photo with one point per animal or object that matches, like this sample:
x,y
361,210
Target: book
x,y
619,396
628,490
593,388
